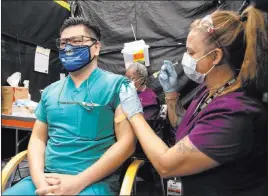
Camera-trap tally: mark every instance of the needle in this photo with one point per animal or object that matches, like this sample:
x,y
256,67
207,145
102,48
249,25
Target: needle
x,y
158,72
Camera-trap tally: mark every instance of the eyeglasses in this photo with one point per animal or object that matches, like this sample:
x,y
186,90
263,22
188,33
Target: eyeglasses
x,y
74,41
130,78
88,106
134,79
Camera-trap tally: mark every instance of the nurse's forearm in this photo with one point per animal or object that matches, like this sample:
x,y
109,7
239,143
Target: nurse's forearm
x,y
152,145
175,108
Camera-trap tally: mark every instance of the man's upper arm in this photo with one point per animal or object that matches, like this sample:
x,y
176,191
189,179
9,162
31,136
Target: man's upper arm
x,y
40,112
40,129
122,126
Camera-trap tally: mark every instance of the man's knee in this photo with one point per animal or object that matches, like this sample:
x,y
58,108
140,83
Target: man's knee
x,y
24,187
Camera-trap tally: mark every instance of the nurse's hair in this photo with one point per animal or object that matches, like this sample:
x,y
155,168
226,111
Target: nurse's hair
x,y
141,71
243,40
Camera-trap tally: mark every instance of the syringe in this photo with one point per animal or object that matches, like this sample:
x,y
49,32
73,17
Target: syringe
x,y
158,72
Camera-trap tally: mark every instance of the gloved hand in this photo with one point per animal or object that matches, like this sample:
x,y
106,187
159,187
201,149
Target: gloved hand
x,y
168,77
130,101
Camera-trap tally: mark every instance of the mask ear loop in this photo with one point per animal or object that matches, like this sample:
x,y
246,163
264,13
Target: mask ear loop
x,y
214,65
210,70
205,55
139,80
143,83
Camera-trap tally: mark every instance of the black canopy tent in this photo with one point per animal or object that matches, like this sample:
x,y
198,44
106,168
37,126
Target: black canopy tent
x,y
161,24
25,25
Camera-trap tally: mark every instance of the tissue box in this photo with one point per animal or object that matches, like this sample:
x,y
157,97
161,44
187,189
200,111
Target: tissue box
x,y
9,95
22,111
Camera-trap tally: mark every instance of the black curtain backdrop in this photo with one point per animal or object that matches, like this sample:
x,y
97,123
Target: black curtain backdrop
x,y
25,25
161,24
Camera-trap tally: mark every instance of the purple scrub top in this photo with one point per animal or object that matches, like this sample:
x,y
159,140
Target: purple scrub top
x,y
232,131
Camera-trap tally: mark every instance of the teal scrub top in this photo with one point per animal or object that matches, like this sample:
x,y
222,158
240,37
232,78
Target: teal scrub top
x,y
77,135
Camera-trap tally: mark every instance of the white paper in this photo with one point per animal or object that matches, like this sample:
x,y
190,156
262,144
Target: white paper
x,y
62,76
41,60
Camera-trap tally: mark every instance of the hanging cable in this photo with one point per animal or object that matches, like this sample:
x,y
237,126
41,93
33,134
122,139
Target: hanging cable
x,y
243,7
19,64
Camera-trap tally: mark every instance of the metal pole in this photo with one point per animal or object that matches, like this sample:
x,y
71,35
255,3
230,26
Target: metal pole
x,y
162,185
17,141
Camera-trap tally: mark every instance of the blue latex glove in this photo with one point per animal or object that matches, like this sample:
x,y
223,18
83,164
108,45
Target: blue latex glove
x,y
168,77
130,101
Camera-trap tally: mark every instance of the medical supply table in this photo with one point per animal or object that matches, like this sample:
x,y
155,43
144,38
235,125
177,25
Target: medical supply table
x,y
18,123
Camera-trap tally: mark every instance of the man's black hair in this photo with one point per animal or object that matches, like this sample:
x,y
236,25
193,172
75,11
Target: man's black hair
x,y
73,21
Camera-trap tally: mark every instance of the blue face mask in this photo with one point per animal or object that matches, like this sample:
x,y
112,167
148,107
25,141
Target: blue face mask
x,y
75,58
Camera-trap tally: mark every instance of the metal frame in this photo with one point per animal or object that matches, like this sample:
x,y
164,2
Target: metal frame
x,y
18,123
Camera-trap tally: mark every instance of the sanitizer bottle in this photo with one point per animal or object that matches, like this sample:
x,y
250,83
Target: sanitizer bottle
x,y
26,85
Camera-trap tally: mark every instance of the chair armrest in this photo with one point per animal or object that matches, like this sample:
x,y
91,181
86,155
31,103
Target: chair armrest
x,y
129,177
11,166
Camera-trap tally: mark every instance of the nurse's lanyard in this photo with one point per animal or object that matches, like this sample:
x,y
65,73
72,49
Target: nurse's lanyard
x,y
203,104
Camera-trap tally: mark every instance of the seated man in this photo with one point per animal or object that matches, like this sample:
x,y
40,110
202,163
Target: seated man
x,y
75,146
138,74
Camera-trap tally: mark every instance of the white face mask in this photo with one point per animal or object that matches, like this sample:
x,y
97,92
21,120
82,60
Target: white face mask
x,y
189,67
133,82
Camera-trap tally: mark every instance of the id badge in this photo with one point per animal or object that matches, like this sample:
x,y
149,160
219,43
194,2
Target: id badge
x,y
174,187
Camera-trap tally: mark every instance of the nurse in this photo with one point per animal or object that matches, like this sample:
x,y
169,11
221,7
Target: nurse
x,y
75,147
221,138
